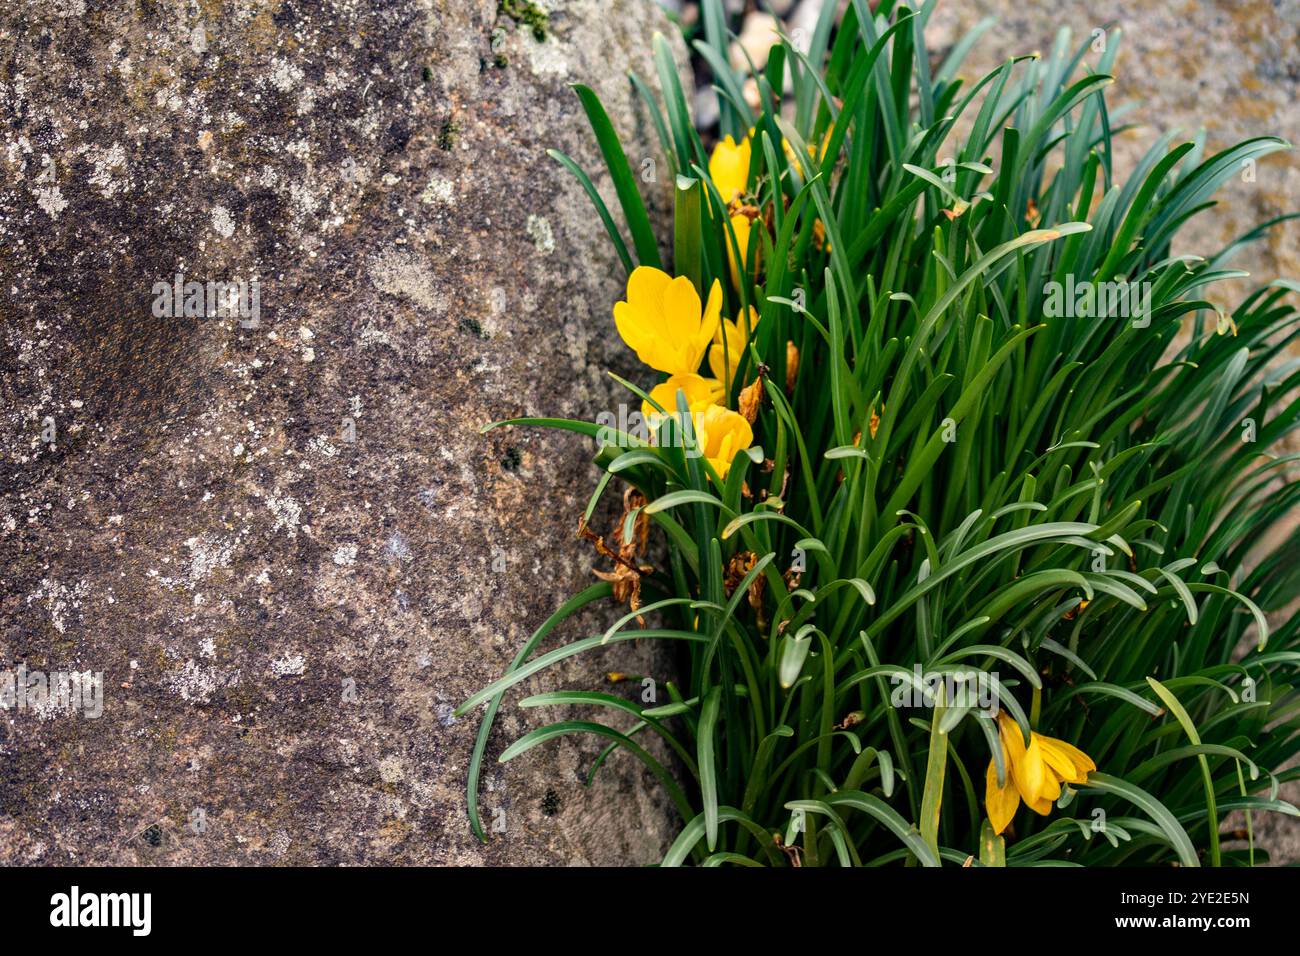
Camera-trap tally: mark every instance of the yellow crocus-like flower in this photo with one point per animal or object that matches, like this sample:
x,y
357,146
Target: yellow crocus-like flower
x,y
1034,774
700,393
729,168
741,225
662,320
725,360
721,433
813,150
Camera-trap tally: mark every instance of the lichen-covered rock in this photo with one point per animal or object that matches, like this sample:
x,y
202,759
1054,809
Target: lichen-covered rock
x,y
279,534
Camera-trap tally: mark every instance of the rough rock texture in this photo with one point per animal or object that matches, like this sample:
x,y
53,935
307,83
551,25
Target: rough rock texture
x,y
1232,67
287,548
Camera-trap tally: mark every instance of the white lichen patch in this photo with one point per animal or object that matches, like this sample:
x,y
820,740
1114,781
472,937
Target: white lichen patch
x,y
287,511
51,201
322,446
439,190
539,230
370,335
345,555
206,553
60,601
285,75
290,665
303,200
195,683
222,222
396,548
107,162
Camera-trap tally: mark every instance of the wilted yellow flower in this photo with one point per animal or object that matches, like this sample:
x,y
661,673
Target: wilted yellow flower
x,y
721,433
663,323
729,167
700,393
1034,774
725,361
751,400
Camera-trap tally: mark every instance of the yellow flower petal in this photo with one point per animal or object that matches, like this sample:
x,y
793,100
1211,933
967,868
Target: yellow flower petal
x,y
1012,740
710,321
681,311
700,394
818,151
1032,776
1039,769
642,337
1025,769
661,320
1070,763
741,225
1041,807
729,167
646,285
999,802
725,360
721,434
1049,785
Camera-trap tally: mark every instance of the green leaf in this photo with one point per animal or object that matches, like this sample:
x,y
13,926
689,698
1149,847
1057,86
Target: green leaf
x,y
1181,715
708,770
1165,820
629,197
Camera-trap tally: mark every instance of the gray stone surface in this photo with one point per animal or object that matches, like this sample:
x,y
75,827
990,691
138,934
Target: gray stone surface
x,y
200,529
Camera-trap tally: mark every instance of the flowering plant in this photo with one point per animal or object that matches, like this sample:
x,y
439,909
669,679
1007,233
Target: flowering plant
x,y
880,460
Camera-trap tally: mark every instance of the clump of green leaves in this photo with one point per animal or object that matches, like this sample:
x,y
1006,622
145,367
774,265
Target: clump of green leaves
x,y
951,483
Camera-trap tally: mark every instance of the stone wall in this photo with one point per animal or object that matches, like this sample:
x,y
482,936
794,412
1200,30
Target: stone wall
x,y
288,548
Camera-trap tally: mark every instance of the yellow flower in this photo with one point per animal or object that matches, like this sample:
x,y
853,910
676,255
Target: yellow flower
x,y
722,433
819,152
729,168
1034,774
663,323
819,234
741,225
725,361
700,394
